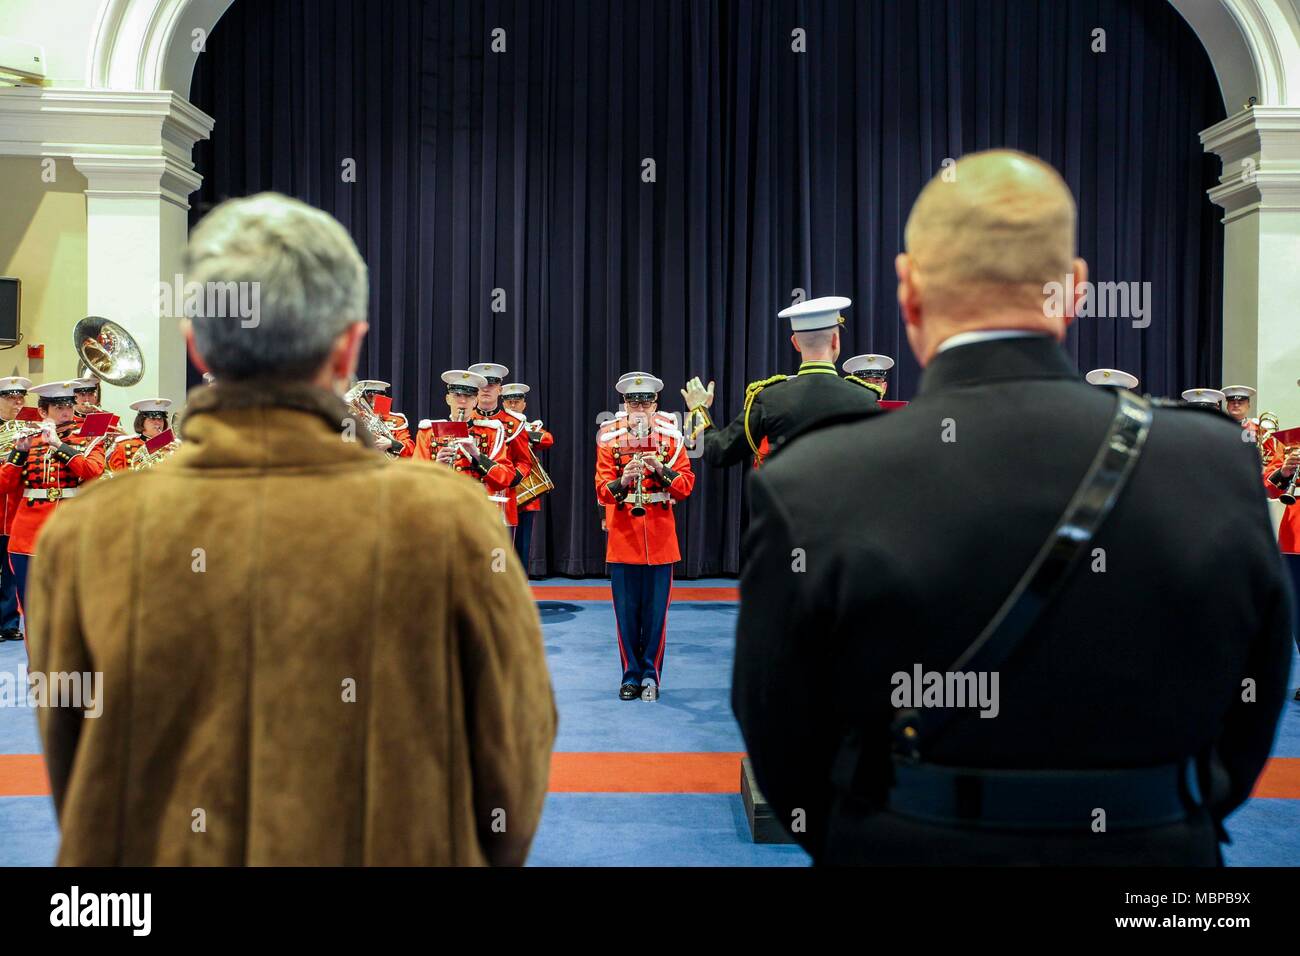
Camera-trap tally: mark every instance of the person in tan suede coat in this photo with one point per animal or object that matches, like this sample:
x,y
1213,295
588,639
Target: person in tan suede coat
x,y
311,654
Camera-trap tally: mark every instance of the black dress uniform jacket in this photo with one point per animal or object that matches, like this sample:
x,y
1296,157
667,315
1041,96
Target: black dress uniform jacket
x,y
788,408
912,542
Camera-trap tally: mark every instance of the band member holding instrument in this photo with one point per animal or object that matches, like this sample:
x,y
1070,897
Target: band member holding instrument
x,y
481,452
13,396
398,442
778,408
150,422
489,406
515,399
88,395
47,467
869,371
642,471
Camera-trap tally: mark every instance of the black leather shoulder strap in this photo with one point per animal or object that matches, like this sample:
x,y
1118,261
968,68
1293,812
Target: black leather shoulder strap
x,y
1093,501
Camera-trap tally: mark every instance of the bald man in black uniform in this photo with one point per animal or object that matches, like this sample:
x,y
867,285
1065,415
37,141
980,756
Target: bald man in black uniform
x,y
1136,704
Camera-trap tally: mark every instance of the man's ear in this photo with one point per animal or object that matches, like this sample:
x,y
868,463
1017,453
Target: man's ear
x,y
1080,270
347,351
187,330
909,298
794,340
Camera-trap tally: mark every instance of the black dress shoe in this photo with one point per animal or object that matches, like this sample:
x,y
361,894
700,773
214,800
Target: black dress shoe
x,y
629,692
11,635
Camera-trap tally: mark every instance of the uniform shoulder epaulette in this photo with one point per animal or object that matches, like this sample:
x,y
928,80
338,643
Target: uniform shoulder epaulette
x,y
399,416
424,423
764,383
878,389
515,414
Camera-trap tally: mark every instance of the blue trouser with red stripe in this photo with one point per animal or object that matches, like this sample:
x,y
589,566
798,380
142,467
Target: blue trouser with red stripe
x,y
641,596
524,537
8,589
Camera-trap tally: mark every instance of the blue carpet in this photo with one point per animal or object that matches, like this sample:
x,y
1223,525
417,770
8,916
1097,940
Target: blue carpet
x,y
673,829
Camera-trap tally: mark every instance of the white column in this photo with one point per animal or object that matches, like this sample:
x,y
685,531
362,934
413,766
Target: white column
x,y
134,148
1259,191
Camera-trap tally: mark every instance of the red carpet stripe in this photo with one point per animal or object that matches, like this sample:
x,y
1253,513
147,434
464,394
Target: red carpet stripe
x,y
23,775
645,773
554,592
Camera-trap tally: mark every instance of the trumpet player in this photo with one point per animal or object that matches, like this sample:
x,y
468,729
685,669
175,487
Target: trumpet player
x,y
46,468
482,454
150,422
642,471
514,397
13,396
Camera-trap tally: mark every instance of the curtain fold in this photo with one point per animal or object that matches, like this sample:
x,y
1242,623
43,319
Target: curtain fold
x,y
501,199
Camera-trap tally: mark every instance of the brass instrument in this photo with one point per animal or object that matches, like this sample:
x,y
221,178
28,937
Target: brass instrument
x,y
107,351
1265,426
12,431
356,400
636,500
538,481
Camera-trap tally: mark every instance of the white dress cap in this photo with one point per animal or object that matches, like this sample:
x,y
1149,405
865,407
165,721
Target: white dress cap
x,y
1112,377
868,363
814,314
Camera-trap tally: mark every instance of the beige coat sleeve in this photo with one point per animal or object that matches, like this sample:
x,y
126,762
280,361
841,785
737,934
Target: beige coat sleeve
x,y
509,708
56,644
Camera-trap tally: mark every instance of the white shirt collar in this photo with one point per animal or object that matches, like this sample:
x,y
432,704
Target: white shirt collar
x,y
983,335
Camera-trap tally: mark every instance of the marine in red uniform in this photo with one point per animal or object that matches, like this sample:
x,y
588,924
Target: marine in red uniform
x,y
1282,483
642,471
13,396
489,406
515,399
402,445
47,468
150,421
481,455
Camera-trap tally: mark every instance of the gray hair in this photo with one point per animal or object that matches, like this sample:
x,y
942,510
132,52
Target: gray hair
x,y
299,268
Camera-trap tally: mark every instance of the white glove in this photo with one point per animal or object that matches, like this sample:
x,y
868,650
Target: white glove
x,y
696,395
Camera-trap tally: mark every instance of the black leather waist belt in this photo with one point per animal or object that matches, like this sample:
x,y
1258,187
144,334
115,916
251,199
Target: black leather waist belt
x,y
1044,799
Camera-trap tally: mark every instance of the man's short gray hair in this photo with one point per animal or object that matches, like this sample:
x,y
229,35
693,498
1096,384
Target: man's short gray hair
x,y
310,286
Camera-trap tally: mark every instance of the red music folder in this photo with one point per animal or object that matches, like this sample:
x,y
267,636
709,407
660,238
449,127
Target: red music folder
x,y
29,413
442,430
382,405
96,424
161,440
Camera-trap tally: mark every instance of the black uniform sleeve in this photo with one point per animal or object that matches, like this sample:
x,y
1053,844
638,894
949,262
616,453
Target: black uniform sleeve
x,y
777,692
728,445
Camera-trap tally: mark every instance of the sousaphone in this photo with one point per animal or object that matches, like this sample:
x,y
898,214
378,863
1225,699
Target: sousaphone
x,y
107,352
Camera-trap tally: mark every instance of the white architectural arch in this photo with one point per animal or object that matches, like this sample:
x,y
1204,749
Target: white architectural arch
x,y
117,104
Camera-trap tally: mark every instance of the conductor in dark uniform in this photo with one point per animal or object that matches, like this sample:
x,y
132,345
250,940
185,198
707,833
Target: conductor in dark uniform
x,y
1139,699
777,408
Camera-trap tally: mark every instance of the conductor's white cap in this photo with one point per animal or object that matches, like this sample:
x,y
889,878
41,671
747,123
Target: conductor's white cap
x,y
1112,377
814,314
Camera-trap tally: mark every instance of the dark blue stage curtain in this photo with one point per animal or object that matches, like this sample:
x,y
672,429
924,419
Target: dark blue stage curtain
x,y
774,170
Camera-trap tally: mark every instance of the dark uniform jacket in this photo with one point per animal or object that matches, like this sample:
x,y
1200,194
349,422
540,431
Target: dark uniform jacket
x,y
786,408
922,539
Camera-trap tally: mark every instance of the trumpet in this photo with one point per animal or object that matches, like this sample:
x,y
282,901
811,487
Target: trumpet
x,y
636,500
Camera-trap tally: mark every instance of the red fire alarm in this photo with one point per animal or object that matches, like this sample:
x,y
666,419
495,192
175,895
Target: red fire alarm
x,y
36,351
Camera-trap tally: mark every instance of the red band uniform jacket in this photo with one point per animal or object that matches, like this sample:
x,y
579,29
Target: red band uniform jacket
x,y
48,468
652,537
